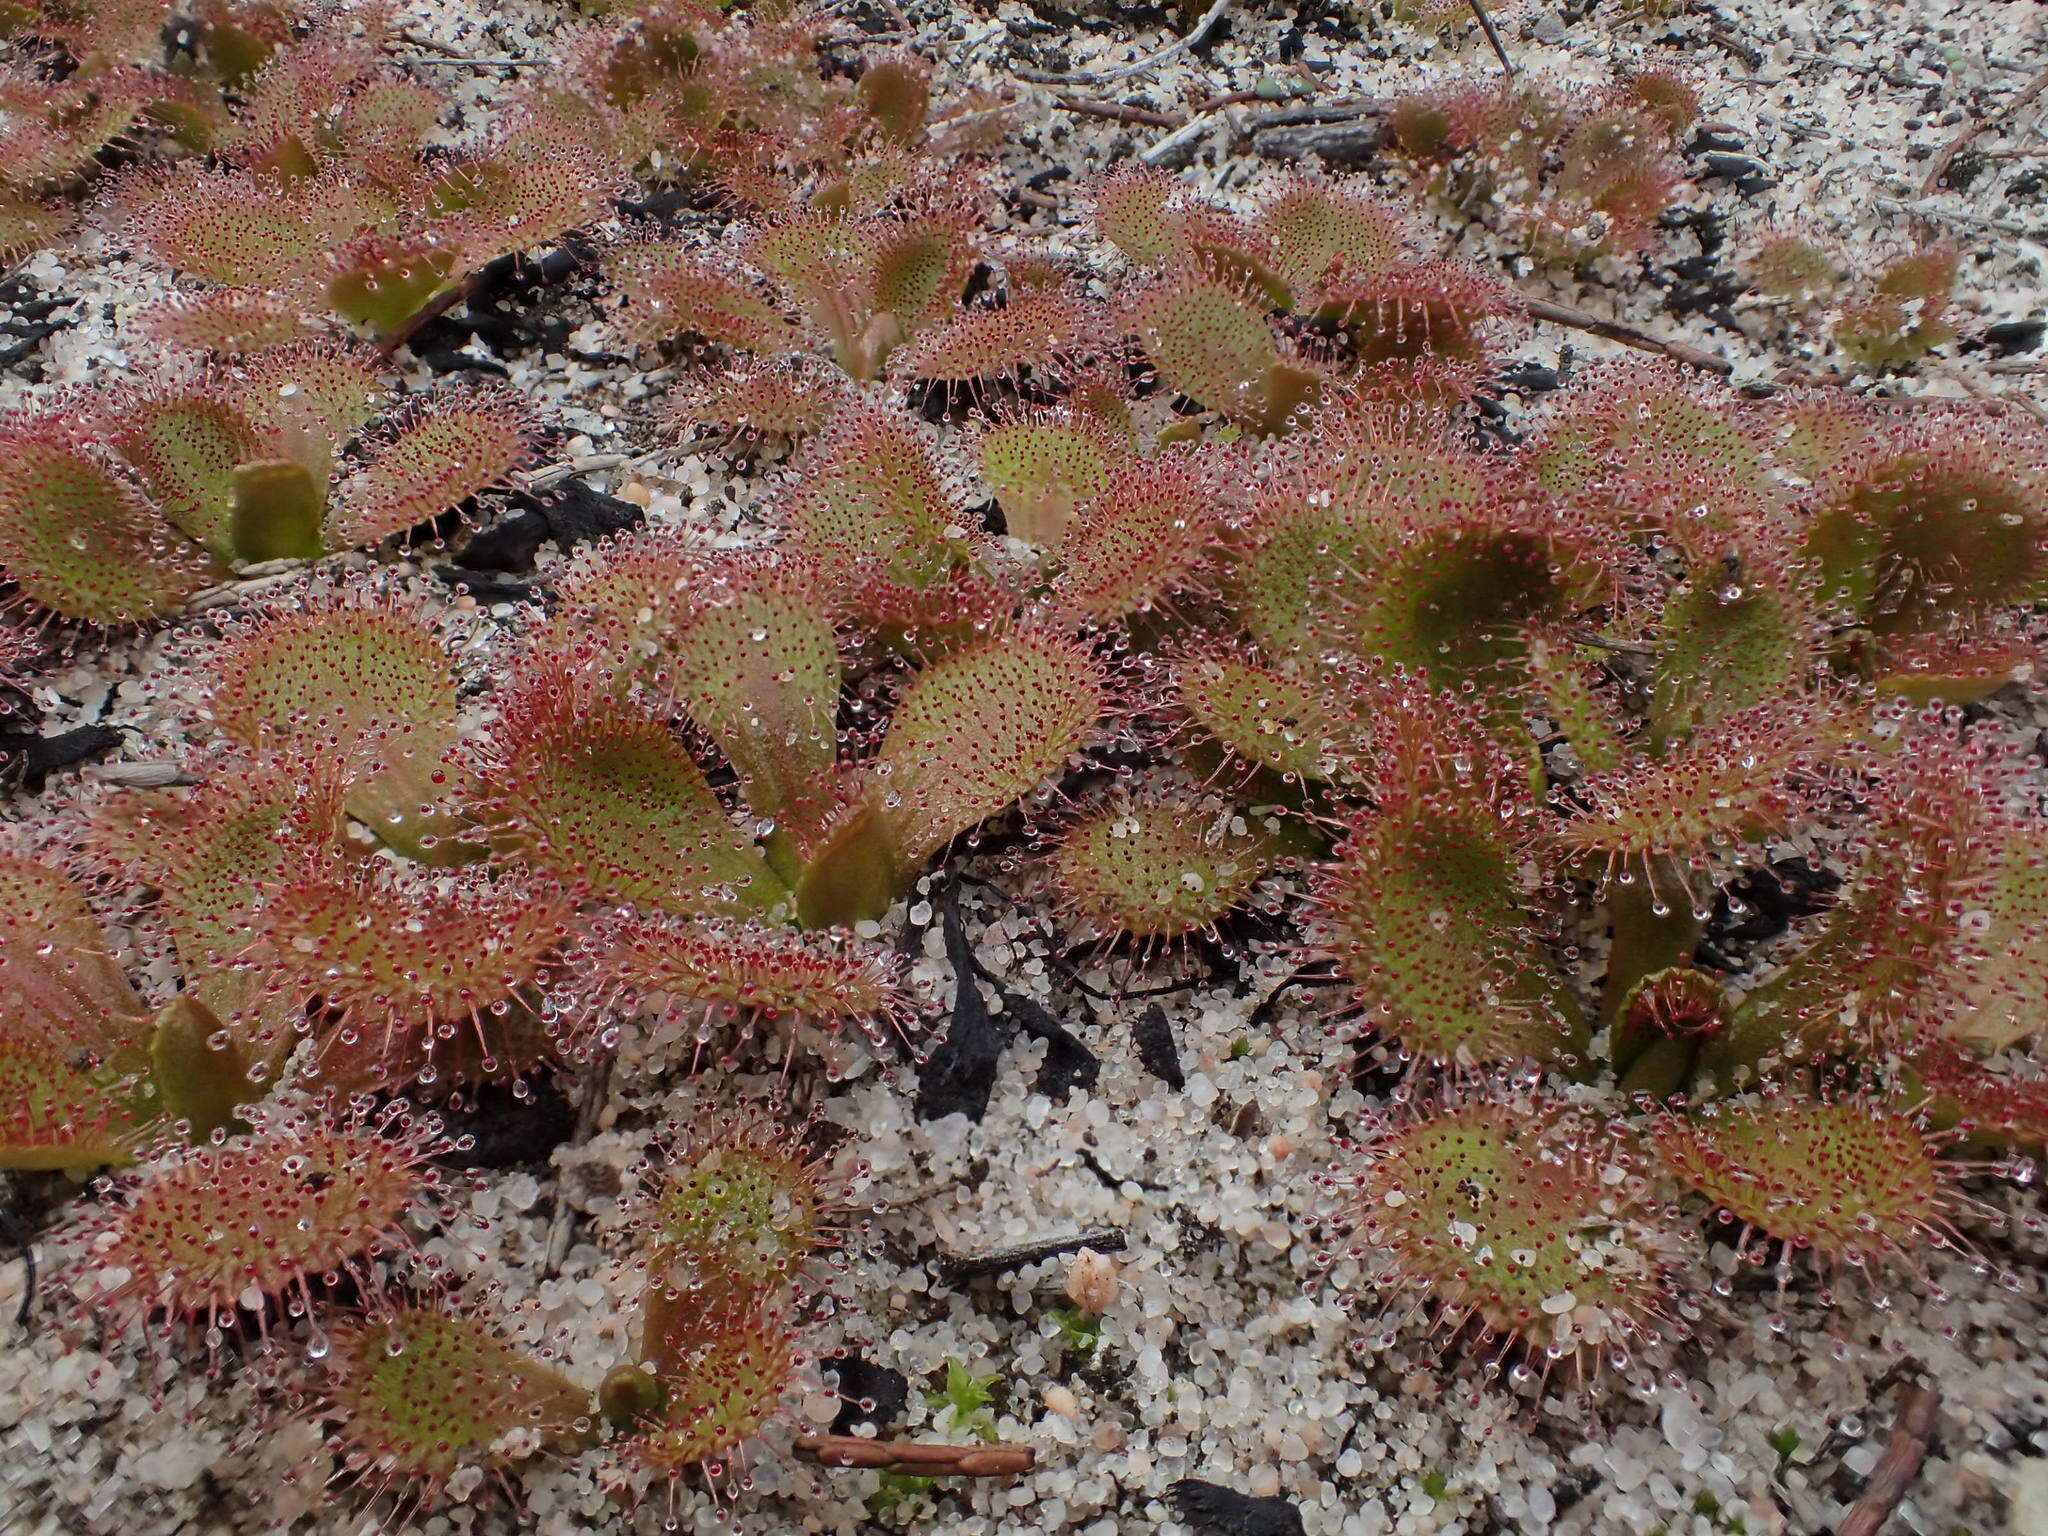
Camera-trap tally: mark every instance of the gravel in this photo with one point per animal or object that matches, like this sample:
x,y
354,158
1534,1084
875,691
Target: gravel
x,y
1226,1352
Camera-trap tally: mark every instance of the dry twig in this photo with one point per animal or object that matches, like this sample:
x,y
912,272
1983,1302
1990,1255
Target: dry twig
x,y
1998,399
921,1459
452,62
1723,32
1627,335
439,304
14,1232
252,581
955,1270
1492,36
1160,152
597,1085
452,57
1912,1431
1603,643
1117,112
1172,50
1946,155
1339,133
1890,77
1932,214
550,475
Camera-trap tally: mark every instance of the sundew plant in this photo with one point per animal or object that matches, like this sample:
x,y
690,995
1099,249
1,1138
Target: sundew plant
x,y
1646,778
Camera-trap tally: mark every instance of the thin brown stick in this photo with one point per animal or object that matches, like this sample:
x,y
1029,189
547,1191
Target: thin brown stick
x,y
446,53
1890,77
439,304
1996,397
434,45
1900,1463
1946,155
958,1270
149,775
1997,400
896,14
1339,133
1931,213
1602,643
1492,36
1187,133
450,62
1228,99
1117,112
246,586
550,475
561,1221
922,1459
1724,32
1174,49
1627,335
